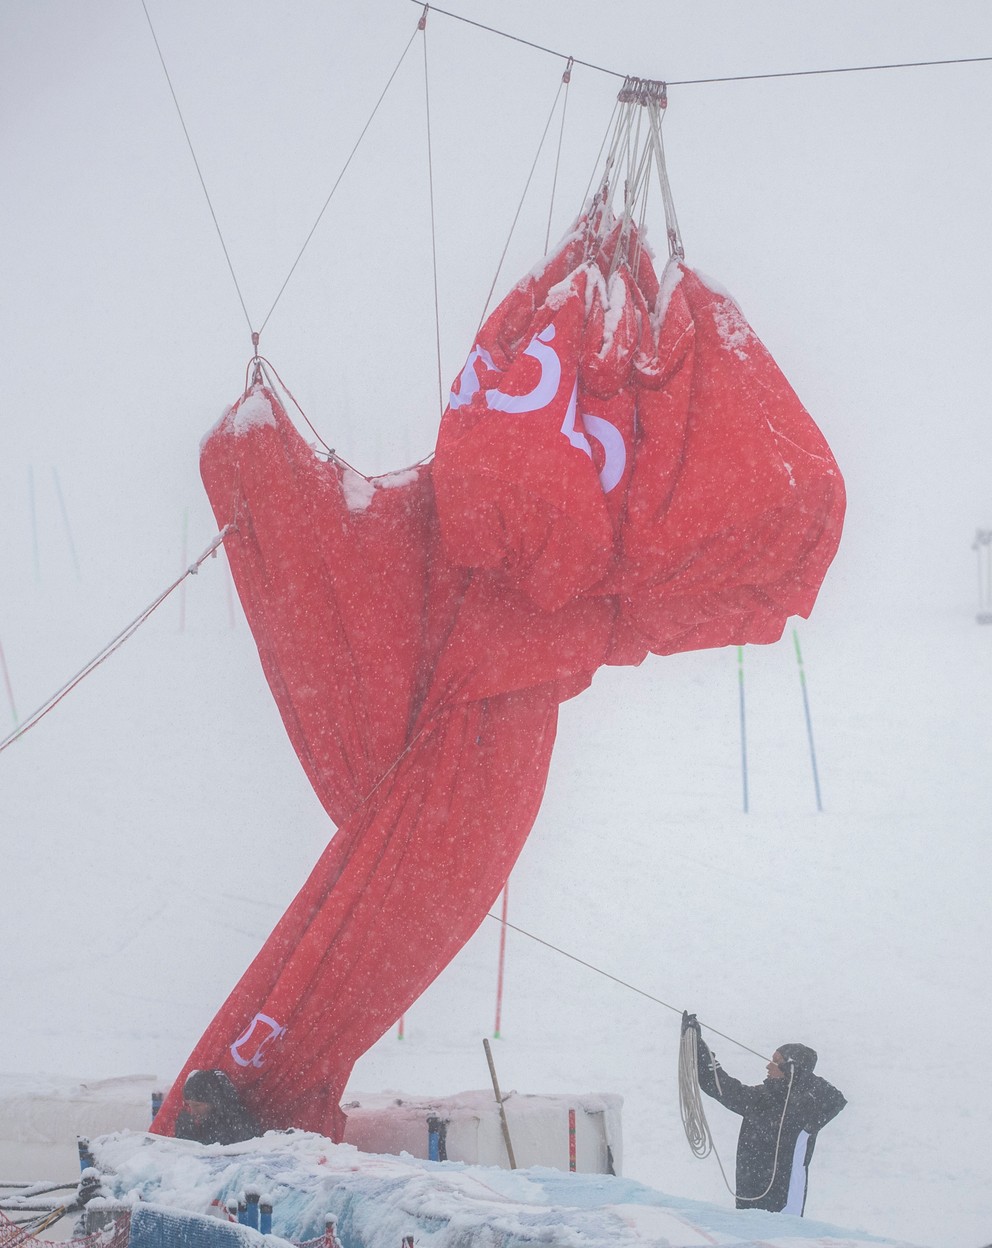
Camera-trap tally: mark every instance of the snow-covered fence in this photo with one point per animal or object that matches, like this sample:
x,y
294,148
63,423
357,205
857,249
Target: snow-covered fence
x,y
26,1235
158,1227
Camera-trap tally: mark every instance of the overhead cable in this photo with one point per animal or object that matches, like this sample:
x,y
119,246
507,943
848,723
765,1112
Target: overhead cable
x,y
694,82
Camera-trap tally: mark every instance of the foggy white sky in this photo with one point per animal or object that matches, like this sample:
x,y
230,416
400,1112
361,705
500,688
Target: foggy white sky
x,y
847,213
849,216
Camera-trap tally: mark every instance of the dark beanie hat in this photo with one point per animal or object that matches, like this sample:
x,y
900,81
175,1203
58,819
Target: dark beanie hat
x,y
206,1085
800,1055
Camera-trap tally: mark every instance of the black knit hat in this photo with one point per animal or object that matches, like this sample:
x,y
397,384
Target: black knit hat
x,y
800,1055
212,1086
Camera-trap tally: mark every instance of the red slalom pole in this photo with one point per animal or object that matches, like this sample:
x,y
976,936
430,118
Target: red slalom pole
x,y
502,961
10,688
571,1141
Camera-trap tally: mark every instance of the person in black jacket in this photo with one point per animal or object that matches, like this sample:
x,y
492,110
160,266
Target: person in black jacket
x,y
212,1111
781,1119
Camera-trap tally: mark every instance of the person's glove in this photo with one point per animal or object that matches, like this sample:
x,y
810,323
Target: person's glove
x,y
689,1022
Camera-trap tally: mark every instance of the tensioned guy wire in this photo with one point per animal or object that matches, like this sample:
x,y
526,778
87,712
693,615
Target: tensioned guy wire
x,y
693,82
430,186
623,983
112,645
203,184
199,172
344,170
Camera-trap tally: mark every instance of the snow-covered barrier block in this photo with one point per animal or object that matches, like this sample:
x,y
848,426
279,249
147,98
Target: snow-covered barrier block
x,y
467,1128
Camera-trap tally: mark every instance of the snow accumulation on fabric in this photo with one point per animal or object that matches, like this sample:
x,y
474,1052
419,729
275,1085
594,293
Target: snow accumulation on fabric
x,y
240,418
358,491
377,1199
255,410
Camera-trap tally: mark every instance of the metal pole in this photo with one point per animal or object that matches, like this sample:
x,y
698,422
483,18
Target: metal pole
x,y
809,721
740,686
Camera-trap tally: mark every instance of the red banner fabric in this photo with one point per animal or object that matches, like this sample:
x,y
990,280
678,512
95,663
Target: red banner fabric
x,y
621,469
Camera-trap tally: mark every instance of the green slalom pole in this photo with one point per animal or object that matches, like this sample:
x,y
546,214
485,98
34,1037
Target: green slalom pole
x,y
740,686
809,721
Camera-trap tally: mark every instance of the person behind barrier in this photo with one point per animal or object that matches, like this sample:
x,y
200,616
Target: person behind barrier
x,y
781,1118
212,1111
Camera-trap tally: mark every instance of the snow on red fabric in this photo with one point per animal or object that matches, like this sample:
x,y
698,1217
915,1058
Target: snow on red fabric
x,y
621,469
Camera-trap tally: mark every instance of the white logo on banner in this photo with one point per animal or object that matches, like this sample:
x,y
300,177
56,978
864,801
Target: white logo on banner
x,y
547,385
468,382
599,429
608,436
268,1030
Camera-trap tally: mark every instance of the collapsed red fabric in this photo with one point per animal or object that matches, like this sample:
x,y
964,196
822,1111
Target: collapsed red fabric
x,y
621,469
434,790
719,507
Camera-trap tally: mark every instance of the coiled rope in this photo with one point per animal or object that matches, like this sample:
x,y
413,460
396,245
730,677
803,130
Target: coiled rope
x,y
697,1129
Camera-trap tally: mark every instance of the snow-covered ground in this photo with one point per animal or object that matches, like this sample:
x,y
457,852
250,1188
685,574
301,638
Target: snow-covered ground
x,y
380,1199
156,824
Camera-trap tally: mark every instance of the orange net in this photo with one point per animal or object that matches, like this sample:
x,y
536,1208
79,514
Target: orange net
x,y
12,1235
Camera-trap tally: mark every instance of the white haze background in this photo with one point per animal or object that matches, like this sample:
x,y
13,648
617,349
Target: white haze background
x,y
156,825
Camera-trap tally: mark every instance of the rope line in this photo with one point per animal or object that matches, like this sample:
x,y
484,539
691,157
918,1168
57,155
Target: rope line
x,y
344,170
516,215
566,79
199,172
837,69
430,184
527,43
694,82
268,370
623,983
111,646
206,193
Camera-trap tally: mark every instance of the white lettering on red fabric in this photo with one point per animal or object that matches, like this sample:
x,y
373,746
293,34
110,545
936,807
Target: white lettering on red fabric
x,y
577,429
468,381
602,431
547,385
270,1030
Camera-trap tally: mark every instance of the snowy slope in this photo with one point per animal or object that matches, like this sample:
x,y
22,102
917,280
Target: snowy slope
x,y
156,824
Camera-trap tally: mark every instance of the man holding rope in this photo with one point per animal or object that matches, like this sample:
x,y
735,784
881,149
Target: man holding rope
x,y
781,1118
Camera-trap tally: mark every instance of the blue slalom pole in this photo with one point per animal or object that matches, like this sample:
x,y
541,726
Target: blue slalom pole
x,y
65,521
740,685
34,524
809,721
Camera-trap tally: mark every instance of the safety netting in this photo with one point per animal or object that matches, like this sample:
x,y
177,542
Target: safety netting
x,y
23,1234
